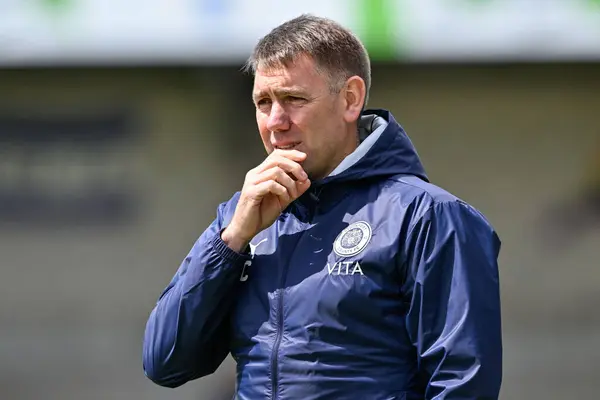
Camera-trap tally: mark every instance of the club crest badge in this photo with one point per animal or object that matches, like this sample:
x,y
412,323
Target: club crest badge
x,y
353,239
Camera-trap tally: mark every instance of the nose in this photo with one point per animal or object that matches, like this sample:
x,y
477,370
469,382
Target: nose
x,y
278,119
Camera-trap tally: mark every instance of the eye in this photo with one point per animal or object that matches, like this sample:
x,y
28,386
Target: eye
x,y
295,99
263,103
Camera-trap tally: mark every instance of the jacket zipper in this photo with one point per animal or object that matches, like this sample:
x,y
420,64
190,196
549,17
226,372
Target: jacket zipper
x,y
279,335
274,355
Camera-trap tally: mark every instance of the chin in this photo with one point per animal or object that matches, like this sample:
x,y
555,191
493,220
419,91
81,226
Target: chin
x,y
313,175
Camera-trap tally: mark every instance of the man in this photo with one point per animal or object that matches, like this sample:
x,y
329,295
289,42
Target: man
x,y
338,271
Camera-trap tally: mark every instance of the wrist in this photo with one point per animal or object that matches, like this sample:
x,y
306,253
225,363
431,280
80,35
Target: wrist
x,y
234,240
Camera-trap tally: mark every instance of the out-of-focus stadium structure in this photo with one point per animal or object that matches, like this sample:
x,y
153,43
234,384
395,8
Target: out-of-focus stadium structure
x,y
124,123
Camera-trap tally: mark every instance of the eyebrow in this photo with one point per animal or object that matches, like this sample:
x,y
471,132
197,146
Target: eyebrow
x,y
279,93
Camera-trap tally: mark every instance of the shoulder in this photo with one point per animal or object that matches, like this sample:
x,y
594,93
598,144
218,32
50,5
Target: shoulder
x,y
423,200
417,189
437,220
415,194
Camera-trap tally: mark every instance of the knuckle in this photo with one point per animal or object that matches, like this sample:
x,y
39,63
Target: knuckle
x,y
252,190
273,173
281,173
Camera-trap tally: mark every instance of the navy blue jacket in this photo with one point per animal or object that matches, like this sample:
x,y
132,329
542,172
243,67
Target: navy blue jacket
x,y
375,284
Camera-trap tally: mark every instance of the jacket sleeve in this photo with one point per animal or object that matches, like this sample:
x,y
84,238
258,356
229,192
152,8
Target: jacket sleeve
x,y
454,319
186,335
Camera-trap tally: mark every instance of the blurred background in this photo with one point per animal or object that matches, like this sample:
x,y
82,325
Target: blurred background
x,y
124,123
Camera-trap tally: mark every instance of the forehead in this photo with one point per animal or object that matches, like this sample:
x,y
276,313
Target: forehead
x,y
301,75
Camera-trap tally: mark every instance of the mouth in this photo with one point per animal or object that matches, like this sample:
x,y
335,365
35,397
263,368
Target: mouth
x,y
289,146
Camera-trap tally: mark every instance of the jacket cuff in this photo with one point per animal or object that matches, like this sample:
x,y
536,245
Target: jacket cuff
x,y
226,252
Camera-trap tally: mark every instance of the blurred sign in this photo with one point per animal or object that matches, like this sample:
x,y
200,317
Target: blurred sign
x,y
34,32
503,29
66,169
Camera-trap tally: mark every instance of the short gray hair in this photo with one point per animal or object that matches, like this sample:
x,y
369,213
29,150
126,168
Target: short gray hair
x,y
336,51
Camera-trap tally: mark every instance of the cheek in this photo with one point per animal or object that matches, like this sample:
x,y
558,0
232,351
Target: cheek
x,y
265,135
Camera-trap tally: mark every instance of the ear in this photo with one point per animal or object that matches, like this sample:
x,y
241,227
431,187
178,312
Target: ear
x,y
354,94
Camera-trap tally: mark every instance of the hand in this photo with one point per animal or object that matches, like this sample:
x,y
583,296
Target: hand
x,y
268,189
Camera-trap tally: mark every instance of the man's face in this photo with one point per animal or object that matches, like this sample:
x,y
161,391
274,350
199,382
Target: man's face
x,y
296,109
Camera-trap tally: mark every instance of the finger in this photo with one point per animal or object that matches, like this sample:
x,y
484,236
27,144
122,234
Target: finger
x,y
285,164
294,155
279,175
272,187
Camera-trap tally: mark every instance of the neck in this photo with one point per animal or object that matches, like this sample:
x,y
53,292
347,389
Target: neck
x,y
350,145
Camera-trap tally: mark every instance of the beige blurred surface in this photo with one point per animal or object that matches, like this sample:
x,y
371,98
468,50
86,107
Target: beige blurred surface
x,y
517,142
